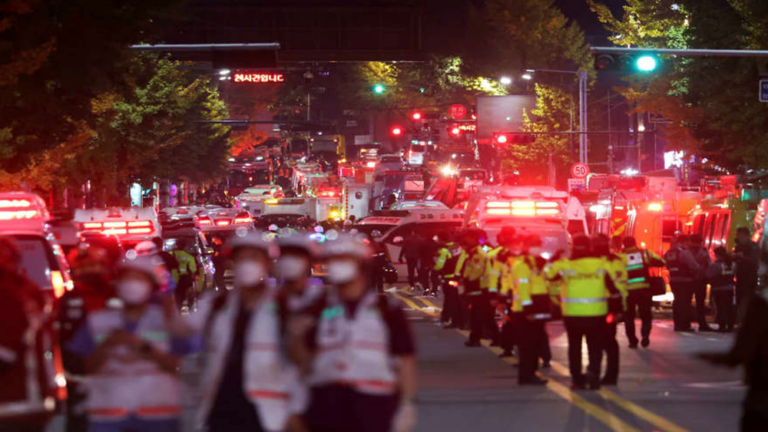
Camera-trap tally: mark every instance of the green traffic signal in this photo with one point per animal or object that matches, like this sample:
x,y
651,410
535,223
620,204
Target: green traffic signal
x,y
379,89
646,63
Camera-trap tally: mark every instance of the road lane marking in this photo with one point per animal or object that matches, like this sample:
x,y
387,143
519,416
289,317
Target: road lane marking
x,y
421,299
414,306
566,393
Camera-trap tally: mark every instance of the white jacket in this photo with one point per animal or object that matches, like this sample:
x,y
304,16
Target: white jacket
x,y
271,382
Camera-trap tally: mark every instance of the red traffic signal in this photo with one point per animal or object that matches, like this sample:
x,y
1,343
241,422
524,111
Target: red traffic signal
x,y
396,131
502,139
416,116
513,138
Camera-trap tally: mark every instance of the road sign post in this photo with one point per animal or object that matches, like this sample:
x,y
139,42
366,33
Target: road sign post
x,y
579,170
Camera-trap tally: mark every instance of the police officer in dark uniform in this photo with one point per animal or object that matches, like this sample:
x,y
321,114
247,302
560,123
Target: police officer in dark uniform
x,y
682,266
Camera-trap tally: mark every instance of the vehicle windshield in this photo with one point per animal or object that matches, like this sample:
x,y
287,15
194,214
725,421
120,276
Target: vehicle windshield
x,y
418,148
367,229
35,260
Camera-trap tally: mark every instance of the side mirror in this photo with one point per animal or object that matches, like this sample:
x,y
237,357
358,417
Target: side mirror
x,y
397,240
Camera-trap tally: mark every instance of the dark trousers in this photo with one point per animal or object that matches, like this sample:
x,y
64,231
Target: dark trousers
x,y
726,310
681,305
413,265
642,301
745,290
482,318
183,287
611,348
533,343
342,409
452,307
593,329
700,293
507,335
425,276
437,281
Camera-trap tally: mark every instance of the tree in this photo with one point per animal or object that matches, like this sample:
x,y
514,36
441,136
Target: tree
x,y
551,114
708,104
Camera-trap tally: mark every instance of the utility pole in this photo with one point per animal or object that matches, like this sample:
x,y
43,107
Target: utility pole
x,y
583,157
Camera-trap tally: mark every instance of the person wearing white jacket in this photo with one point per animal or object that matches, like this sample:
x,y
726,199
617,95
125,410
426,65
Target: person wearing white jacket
x,y
247,382
357,349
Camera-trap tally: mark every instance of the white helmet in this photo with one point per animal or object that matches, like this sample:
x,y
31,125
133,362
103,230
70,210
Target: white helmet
x,y
255,240
273,228
347,245
152,266
146,248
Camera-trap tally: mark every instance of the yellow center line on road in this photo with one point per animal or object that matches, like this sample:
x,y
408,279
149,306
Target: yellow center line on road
x,y
421,299
414,306
566,393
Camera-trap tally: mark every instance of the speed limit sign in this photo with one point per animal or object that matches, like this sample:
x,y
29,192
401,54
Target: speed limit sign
x,y
579,170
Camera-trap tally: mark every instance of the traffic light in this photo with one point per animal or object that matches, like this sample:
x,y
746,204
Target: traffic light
x,y
379,88
396,131
455,131
644,63
506,138
416,116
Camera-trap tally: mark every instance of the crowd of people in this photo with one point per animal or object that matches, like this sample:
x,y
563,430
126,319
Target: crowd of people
x,y
281,350
278,350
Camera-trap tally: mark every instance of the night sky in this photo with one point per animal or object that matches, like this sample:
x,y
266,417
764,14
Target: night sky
x,y
578,10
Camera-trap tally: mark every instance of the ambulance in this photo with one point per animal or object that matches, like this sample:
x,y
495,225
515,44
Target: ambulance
x,y
132,225
286,212
24,219
539,210
252,198
396,225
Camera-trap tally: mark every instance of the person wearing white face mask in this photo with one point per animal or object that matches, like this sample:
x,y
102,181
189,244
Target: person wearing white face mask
x,y
247,384
293,270
359,350
132,356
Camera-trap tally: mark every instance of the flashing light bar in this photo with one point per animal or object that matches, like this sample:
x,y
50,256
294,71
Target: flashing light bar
x,y
19,214
223,222
497,204
204,221
120,227
17,203
523,204
523,212
57,282
655,207
547,204
270,201
498,211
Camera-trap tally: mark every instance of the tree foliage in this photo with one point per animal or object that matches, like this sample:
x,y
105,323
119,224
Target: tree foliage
x,y
708,103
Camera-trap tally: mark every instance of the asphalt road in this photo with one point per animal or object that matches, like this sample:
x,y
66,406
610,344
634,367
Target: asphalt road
x,y
661,388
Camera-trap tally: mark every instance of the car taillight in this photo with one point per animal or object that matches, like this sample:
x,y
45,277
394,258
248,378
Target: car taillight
x,y
18,214
243,218
57,282
204,221
140,230
144,223
91,225
223,222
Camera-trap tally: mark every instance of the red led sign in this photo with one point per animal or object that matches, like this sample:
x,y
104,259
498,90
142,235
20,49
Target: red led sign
x,y
258,77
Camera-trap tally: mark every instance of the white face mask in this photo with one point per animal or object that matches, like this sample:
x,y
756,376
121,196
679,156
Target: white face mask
x,y
134,292
249,273
291,267
340,272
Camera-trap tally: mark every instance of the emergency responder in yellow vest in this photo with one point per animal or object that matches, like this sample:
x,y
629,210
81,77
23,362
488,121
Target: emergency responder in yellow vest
x,y
479,300
187,271
638,262
505,260
442,255
584,299
453,309
532,307
601,248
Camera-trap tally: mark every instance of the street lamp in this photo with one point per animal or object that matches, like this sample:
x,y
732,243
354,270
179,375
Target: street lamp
x,y
224,72
505,80
527,76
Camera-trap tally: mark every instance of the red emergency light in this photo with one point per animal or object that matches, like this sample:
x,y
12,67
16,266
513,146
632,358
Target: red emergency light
x,y
120,227
243,218
502,139
416,116
396,131
522,208
17,209
455,131
223,222
204,221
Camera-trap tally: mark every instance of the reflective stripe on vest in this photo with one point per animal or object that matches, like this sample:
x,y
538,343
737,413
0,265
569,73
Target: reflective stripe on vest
x,y
584,300
352,350
112,392
267,377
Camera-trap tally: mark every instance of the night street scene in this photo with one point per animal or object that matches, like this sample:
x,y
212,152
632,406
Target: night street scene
x,y
383,215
